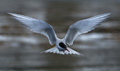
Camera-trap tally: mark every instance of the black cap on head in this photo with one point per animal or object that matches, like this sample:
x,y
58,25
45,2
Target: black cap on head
x,y
61,44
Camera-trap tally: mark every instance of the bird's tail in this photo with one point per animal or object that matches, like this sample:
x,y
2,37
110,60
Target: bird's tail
x,y
55,50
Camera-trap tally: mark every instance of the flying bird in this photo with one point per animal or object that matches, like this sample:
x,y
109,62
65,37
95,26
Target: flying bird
x,y
61,45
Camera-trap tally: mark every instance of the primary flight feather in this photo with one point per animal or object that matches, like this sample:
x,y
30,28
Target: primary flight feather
x,y
37,26
80,27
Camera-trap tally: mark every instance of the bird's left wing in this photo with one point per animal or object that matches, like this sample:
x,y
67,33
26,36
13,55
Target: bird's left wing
x,y
37,26
84,26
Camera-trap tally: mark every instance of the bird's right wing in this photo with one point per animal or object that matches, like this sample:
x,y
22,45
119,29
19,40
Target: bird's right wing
x,y
37,26
84,26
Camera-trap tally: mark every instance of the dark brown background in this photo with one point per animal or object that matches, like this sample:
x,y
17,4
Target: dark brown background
x,y
20,49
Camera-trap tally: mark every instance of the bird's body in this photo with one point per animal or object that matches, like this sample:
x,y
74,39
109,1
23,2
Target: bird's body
x,y
61,45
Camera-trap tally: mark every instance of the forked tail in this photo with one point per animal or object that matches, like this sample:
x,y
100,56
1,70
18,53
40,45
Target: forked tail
x,y
55,50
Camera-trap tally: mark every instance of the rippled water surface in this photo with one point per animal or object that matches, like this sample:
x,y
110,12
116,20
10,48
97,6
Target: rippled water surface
x,y
20,49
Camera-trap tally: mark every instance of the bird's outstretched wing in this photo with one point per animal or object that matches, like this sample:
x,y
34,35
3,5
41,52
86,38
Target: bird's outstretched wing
x,y
37,26
84,26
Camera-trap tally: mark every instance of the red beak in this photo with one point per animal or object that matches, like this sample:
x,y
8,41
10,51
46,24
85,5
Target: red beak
x,y
67,50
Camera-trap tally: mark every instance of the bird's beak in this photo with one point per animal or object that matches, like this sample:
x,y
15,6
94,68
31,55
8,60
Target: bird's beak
x,y
67,50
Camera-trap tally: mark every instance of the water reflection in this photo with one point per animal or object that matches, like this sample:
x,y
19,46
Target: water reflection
x,y
20,49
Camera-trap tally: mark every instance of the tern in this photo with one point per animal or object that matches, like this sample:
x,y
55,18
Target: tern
x,y
61,45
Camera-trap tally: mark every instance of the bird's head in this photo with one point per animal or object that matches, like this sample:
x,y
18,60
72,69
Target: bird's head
x,y
63,47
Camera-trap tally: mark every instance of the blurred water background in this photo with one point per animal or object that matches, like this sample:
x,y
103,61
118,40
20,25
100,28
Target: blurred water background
x,y
20,48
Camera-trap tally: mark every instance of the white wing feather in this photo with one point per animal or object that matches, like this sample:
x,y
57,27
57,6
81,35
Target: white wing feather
x,y
37,26
84,26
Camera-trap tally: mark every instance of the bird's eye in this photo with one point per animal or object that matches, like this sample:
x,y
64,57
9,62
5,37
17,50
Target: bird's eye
x,y
62,45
